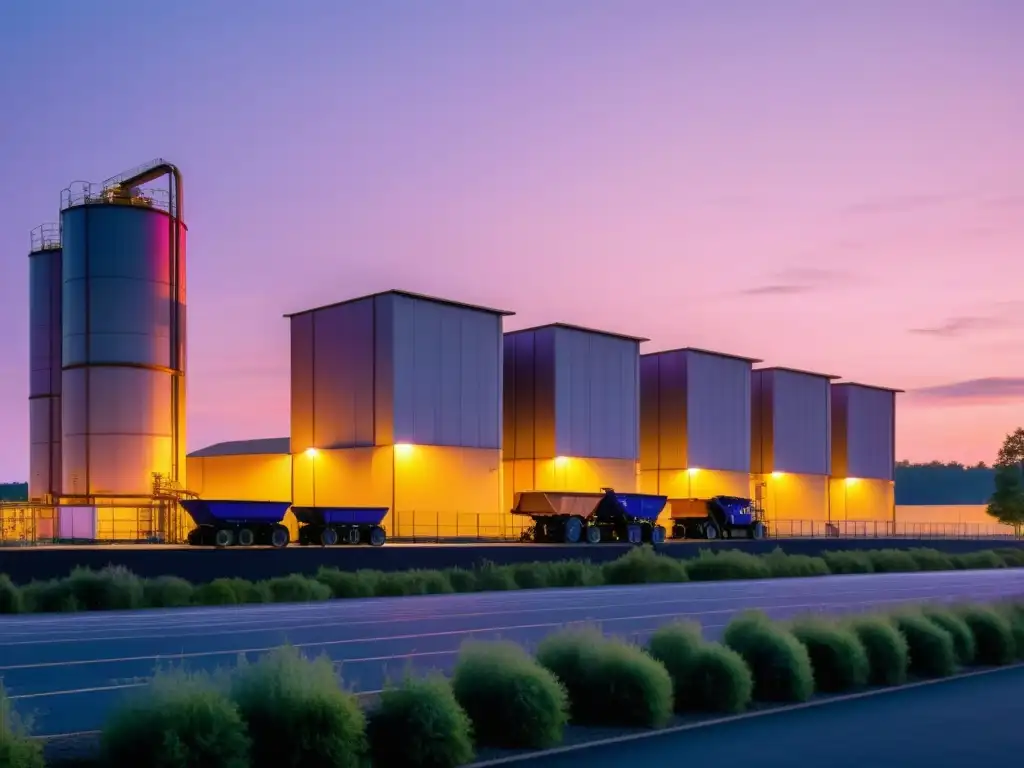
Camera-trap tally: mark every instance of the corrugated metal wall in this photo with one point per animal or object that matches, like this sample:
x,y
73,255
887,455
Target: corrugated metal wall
x,y
864,444
800,423
392,368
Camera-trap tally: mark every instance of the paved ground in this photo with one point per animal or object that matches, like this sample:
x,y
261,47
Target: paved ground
x,y
954,724
66,671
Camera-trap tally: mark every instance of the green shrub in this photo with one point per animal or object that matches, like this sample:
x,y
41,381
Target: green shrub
x,y
10,597
53,596
675,645
344,584
976,561
780,565
17,748
838,660
494,578
461,580
642,565
931,559
848,561
167,592
511,700
420,725
216,592
728,564
886,649
779,663
176,721
717,679
932,653
993,634
1012,557
296,588
573,573
963,639
297,714
608,681
1013,612
408,583
529,575
892,561
113,587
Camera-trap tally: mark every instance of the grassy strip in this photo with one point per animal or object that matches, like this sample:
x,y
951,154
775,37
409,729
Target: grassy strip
x,y
116,588
287,710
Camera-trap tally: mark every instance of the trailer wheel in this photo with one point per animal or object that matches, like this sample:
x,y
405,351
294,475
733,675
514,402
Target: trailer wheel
x,y
757,532
573,530
329,537
377,536
279,537
353,535
710,531
223,538
658,535
593,534
678,531
634,534
246,538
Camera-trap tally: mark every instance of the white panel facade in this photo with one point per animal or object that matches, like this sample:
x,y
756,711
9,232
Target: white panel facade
x,y
801,423
717,412
870,430
596,395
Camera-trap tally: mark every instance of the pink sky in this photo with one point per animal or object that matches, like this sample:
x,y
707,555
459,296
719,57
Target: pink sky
x,y
836,187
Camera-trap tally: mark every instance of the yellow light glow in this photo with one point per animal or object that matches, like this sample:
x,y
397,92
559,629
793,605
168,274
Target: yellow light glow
x,y
561,460
312,453
403,449
777,474
693,470
851,480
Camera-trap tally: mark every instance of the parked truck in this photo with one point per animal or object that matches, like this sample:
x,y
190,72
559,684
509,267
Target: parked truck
x,y
717,517
226,523
568,517
328,526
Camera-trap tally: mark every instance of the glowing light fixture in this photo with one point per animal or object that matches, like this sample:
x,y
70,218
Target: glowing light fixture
x,y
777,474
561,460
403,449
851,480
693,470
312,453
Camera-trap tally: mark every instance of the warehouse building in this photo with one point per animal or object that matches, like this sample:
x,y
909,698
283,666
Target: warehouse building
x,y
570,410
791,450
396,402
863,452
695,424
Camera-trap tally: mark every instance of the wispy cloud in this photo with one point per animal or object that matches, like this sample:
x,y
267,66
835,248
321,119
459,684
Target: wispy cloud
x,y
777,289
994,389
795,280
1004,314
900,203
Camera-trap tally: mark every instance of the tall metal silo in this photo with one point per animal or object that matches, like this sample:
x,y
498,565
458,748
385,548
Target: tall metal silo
x,y
44,274
123,376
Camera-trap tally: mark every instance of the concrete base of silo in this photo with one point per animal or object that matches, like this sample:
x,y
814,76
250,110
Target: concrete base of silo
x,y
862,499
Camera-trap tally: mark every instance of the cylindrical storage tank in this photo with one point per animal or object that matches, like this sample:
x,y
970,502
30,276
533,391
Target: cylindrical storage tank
x,y
123,344
44,274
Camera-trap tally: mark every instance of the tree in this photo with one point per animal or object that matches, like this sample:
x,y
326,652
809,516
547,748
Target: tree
x,y
1007,502
1012,452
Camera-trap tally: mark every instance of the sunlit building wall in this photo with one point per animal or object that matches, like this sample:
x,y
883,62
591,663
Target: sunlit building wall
x,y
570,410
695,424
863,452
396,402
791,444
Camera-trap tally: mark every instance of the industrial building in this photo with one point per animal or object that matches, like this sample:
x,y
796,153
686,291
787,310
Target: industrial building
x,y
863,452
790,455
695,423
570,410
107,334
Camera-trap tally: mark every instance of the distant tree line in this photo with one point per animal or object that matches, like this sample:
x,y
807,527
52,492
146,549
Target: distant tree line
x,y
943,483
13,491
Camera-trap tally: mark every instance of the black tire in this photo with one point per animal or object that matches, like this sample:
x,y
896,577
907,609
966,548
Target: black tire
x,y
757,530
246,538
279,537
658,534
593,534
634,534
224,537
710,531
328,537
573,530
377,536
353,536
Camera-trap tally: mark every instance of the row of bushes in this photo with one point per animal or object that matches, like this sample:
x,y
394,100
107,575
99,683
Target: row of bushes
x,y
114,587
286,711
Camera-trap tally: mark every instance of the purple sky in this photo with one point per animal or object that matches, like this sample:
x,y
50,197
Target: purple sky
x,y
825,185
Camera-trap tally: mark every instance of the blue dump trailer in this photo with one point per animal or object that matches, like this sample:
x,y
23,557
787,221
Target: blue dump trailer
x,y
224,523
328,526
565,517
718,517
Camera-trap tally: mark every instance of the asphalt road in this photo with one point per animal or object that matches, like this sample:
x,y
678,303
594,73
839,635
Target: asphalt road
x,y
954,724
67,671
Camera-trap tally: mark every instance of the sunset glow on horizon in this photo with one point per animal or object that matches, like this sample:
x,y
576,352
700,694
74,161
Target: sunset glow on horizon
x,y
836,188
